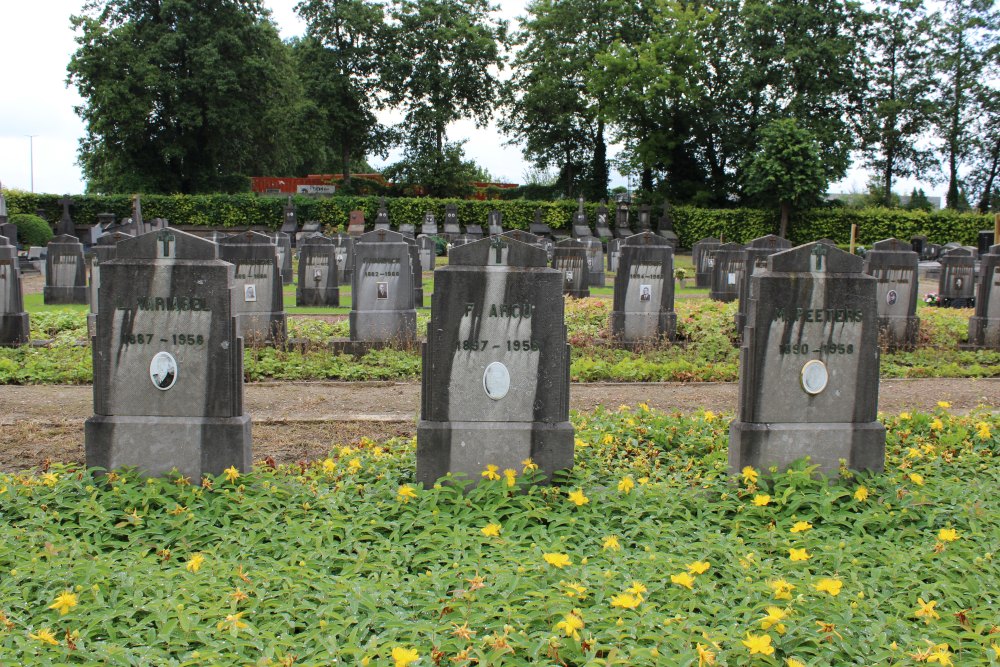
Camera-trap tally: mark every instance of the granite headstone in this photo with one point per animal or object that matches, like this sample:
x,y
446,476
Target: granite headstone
x,y
15,327
429,226
614,252
65,271
104,251
984,325
893,264
66,226
570,258
356,223
283,246
537,227
602,223
451,226
755,260
382,216
622,229
344,249
703,258
428,252
729,262
957,281
581,228
318,273
382,308
289,219
494,223
643,310
258,301
595,260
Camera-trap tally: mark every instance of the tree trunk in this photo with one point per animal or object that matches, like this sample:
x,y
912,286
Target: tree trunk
x,y
599,187
955,129
647,179
984,199
786,213
345,159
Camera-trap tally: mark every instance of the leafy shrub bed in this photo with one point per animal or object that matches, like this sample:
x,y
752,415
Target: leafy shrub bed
x,y
646,554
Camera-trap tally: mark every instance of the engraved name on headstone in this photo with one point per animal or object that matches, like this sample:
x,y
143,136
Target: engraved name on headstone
x,y
643,310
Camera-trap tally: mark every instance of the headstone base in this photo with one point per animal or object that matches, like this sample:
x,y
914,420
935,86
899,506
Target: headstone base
x,y
631,329
317,297
14,329
761,446
984,332
64,295
157,445
378,326
418,295
898,333
468,447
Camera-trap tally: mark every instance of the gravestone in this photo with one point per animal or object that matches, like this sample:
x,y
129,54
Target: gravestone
x,y
417,271
429,226
893,264
703,258
539,228
984,326
933,251
524,237
106,221
65,271
985,241
258,302
140,224
622,229
571,259
581,229
8,230
382,308
474,232
460,240
494,223
318,273
727,272
356,223
644,222
918,243
428,252
66,226
451,227
755,260
643,310
344,250
216,237
15,327
957,282
614,252
283,246
382,216
104,251
289,220
665,225
595,260
408,230
168,362
809,366
602,229
495,383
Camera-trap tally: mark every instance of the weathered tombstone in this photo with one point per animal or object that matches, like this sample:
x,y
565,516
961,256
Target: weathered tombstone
x,y
382,307
428,252
581,228
106,221
809,366
8,230
461,240
356,223
259,302
344,250
539,228
595,260
665,225
494,223
893,264
755,260
65,271
703,258
985,241
957,282
289,220
382,216
140,224
407,229
417,270
571,259
66,226
644,223
643,311
318,273
727,272
524,237
614,252
495,385
918,243
429,226
283,246
984,326
168,362
14,324
474,232
622,229
104,251
932,251
451,226
602,229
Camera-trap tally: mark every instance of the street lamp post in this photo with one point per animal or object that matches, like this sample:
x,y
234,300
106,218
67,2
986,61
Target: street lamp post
x,y
31,158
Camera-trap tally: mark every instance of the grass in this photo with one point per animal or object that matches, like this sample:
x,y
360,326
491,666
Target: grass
x,y
647,553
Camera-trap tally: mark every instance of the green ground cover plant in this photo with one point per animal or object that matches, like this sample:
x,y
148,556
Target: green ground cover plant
x,y
647,553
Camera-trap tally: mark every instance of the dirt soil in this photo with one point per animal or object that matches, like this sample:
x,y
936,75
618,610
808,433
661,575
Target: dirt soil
x,y
295,421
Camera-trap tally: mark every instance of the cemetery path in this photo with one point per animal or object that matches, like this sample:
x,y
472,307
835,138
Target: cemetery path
x,y
303,420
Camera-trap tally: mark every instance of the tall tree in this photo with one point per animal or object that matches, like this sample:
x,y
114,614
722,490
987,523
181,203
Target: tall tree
x,y
339,63
181,96
984,174
898,107
444,67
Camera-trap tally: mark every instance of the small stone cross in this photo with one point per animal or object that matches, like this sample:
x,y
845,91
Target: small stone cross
x,y
166,238
819,251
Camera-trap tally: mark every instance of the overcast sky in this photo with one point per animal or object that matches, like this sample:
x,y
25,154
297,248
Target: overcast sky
x,y
36,42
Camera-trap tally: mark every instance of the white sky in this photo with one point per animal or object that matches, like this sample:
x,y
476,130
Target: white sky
x,y
36,42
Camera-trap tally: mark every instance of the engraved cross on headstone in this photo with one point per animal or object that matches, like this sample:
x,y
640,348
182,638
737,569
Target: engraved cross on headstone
x,y
381,235
819,251
165,238
498,245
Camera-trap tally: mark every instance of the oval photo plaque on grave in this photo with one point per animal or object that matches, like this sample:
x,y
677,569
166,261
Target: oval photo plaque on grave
x,y
496,380
890,297
814,377
163,370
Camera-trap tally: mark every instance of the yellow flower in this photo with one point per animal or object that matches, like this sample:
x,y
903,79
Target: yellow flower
x,y
194,564
491,472
926,610
904,416
405,492
944,404
329,465
607,439
611,542
683,579
491,530
831,586
759,644
626,484
861,494
45,636
511,476
774,618
941,655
749,475
354,464
983,430
233,623
937,425
626,601
947,534
705,656
50,478
574,590
571,624
578,498
644,407
798,554
792,662
709,416
761,499
232,474
916,478
636,589
800,527
557,560
580,443
404,656
64,602
782,590
699,567
529,465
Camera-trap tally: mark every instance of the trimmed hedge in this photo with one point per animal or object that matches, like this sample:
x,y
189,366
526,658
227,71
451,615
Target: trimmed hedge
x,y
690,223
